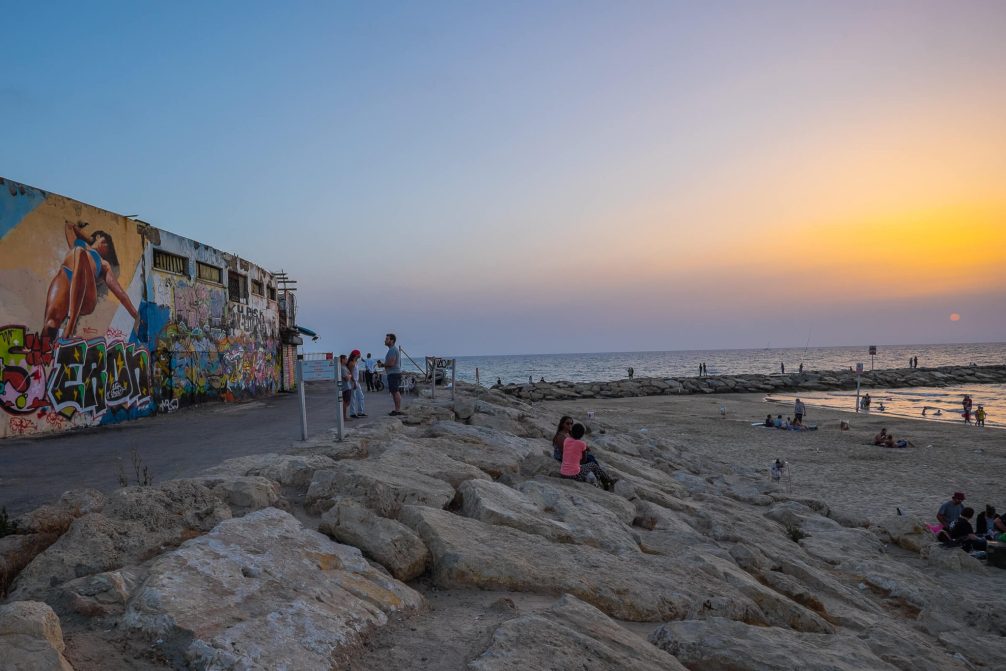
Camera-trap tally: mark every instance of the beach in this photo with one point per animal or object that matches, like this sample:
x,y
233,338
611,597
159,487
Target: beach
x,y
842,468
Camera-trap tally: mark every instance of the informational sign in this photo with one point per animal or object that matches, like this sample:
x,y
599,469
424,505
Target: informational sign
x,y
873,350
318,370
859,368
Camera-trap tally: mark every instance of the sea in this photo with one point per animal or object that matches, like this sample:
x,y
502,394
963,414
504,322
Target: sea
x,y
941,404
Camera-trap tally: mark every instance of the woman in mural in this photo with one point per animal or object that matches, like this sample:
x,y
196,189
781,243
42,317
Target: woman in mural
x,y
73,292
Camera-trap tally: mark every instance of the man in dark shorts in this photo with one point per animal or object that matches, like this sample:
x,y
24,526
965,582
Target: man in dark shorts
x,y
393,369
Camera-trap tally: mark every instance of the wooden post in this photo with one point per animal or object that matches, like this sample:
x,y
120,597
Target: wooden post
x,y
454,372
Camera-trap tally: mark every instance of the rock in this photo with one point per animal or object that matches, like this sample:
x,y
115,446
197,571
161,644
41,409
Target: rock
x,y
101,594
83,501
137,523
431,462
468,553
390,543
425,413
950,558
31,638
262,592
572,636
492,451
718,644
464,408
49,519
243,493
498,422
905,531
288,470
17,551
384,487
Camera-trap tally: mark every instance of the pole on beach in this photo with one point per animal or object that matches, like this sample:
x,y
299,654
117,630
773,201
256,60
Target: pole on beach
x,y
454,375
301,394
338,389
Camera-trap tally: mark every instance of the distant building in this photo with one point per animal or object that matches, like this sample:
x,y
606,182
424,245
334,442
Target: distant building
x,y
104,318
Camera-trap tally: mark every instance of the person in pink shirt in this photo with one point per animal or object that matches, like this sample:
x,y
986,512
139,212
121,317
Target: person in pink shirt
x,y
572,449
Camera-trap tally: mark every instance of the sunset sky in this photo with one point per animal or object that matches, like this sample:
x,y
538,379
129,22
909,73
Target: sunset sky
x,y
520,177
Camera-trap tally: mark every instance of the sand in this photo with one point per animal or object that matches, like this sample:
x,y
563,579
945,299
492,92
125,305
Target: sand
x,y
842,468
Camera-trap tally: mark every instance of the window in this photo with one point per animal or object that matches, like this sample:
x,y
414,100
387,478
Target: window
x,y
272,293
210,273
236,284
257,288
171,263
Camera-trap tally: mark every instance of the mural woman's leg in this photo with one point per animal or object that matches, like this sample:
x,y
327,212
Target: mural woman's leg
x,y
83,291
57,304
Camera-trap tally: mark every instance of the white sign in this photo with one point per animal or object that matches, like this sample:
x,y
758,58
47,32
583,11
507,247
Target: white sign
x,y
859,368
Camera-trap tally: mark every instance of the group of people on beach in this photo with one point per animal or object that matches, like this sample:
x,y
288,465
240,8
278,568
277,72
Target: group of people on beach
x,y
569,448
354,368
967,404
955,528
886,439
794,423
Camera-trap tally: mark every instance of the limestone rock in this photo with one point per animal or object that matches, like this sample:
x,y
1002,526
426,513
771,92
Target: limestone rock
x,y
49,519
908,532
570,635
425,413
101,594
950,558
244,493
83,501
428,461
289,470
498,422
390,543
464,408
718,644
495,452
31,638
262,592
17,551
384,487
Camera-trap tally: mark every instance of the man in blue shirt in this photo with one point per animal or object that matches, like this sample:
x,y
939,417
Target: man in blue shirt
x,y
393,369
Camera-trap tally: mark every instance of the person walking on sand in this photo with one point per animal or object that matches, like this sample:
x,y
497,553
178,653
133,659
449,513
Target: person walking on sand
x,y
782,367
393,369
357,405
799,409
966,403
980,415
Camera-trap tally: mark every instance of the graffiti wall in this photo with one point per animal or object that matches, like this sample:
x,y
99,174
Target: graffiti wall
x,y
212,328
70,283
104,319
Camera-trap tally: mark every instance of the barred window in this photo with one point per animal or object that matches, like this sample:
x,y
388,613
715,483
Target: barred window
x,y
171,263
210,273
257,288
236,286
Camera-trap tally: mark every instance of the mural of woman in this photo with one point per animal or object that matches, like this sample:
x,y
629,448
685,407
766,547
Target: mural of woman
x,y
73,292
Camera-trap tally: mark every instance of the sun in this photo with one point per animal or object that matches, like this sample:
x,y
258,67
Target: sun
x,y
954,317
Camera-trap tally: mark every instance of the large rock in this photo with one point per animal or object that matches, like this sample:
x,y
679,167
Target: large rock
x,y
137,523
905,531
717,644
469,553
494,451
429,461
31,638
570,635
243,493
17,551
383,486
289,470
390,543
262,592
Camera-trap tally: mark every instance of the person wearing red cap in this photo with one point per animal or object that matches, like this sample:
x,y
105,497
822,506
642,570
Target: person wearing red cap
x,y
356,405
951,510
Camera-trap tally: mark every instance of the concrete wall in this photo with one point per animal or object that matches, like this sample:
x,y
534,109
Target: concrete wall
x,y
91,333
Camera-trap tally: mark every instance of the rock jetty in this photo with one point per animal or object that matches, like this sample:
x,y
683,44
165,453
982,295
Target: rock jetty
x,y
754,383
368,553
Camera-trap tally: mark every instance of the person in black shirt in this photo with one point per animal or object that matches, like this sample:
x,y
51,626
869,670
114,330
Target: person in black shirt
x,y
963,534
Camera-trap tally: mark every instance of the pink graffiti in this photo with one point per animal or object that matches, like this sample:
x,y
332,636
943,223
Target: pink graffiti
x,y
21,425
114,334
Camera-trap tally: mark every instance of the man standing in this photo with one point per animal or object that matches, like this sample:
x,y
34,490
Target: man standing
x,y
370,365
393,369
798,410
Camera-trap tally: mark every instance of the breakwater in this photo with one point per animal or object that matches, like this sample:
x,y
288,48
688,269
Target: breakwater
x,y
833,380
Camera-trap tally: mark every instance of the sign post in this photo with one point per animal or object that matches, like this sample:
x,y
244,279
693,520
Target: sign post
x,y
301,394
859,375
873,353
338,391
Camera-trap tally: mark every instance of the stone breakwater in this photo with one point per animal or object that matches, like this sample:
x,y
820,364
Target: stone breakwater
x,y
834,380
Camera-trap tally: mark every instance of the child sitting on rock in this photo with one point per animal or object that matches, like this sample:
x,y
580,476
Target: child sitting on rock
x,y
572,450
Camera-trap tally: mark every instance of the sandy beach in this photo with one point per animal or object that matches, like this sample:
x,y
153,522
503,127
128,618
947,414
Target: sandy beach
x,y
842,468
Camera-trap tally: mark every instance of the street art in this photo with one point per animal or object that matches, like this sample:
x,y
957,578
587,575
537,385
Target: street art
x,y
90,262
77,381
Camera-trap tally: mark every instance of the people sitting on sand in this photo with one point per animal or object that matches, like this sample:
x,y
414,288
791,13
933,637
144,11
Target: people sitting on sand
x,y
962,534
777,422
881,437
999,529
768,421
950,510
986,521
572,468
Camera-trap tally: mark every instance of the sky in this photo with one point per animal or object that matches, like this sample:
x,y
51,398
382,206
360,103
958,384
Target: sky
x,y
520,177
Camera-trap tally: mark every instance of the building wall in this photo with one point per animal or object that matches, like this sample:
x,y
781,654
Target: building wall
x,y
144,340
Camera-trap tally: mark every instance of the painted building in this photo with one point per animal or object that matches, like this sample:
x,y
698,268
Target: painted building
x,y
104,318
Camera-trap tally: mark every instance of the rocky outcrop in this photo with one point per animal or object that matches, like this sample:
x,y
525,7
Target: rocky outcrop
x,y
384,487
262,592
31,638
572,636
753,382
390,543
